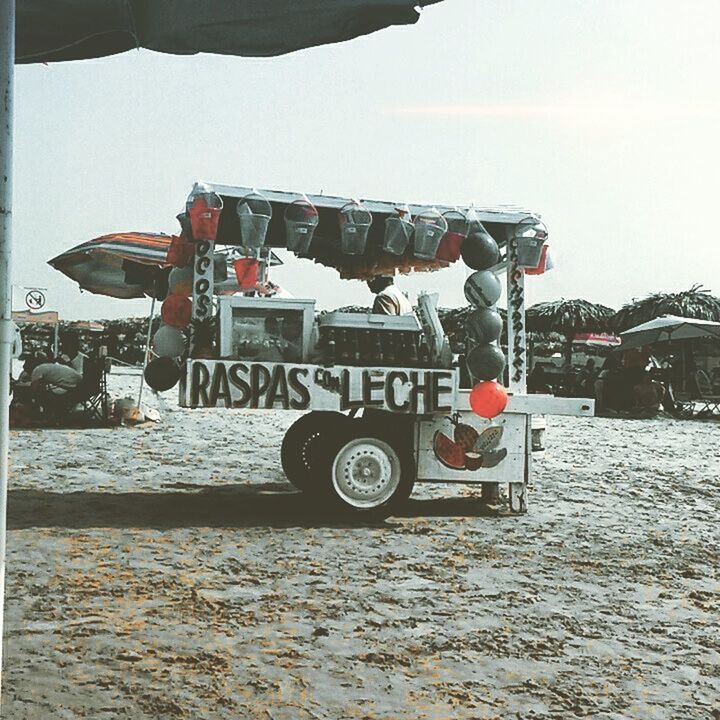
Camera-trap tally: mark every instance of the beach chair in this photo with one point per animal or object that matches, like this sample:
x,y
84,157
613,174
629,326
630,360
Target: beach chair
x,y
90,395
710,402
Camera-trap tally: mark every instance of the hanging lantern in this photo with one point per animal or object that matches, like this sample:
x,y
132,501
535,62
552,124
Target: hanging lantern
x,y
531,235
254,212
247,273
483,289
430,226
488,399
483,326
162,374
301,219
168,342
180,281
485,362
545,264
398,230
355,221
176,311
458,227
204,207
479,250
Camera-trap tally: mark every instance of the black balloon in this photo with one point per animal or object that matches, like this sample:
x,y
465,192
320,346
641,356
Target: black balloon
x,y
485,362
483,326
479,250
162,374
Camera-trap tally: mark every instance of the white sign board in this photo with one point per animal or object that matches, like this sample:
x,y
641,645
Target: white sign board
x,y
286,386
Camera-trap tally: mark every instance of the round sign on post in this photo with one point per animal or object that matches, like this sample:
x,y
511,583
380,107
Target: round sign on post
x,y
35,300
483,289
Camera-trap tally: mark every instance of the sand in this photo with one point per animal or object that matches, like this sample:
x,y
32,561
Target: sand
x,y
170,571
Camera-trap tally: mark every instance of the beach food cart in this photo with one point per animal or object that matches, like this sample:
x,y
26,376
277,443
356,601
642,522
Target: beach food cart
x,y
383,401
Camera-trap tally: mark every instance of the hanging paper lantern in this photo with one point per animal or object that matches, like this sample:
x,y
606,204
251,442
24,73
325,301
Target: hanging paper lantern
x,y
355,221
180,281
176,311
488,399
168,342
430,226
483,326
479,250
204,207
301,219
485,362
398,231
162,374
483,289
254,213
458,226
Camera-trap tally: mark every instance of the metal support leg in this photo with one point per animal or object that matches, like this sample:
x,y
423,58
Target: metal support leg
x,y
7,68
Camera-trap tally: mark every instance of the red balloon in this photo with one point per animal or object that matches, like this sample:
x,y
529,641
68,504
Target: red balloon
x,y
176,311
488,399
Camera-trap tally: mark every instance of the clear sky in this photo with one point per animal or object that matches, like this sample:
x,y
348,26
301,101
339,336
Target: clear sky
x,y
602,115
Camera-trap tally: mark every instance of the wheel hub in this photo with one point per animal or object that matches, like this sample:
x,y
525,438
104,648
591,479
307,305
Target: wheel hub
x,y
366,472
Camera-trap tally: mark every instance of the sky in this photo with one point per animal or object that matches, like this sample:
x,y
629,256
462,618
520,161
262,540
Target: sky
x,y
601,115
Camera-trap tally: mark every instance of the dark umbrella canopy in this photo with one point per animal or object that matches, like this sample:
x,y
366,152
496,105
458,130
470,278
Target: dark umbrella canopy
x,y
694,303
54,30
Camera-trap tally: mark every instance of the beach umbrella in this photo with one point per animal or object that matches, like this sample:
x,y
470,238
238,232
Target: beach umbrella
x,y
669,328
695,303
568,317
121,265
52,30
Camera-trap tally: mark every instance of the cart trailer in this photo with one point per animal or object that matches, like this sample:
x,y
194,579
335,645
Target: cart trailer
x,y
381,395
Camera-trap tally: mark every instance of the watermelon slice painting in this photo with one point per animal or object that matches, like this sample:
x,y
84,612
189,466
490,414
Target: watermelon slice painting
x,y
469,450
448,452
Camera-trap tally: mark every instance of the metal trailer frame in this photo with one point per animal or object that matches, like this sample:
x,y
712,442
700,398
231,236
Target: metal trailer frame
x,y
430,397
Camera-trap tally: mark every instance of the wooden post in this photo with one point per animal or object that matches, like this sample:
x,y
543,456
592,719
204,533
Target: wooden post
x,y
517,356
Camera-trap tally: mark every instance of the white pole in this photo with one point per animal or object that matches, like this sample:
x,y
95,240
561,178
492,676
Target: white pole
x,y
147,350
7,69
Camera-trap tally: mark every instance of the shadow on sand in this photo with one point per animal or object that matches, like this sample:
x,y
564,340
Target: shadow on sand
x,y
236,505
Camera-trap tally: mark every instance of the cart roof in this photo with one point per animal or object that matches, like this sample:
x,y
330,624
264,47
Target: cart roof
x,y
498,221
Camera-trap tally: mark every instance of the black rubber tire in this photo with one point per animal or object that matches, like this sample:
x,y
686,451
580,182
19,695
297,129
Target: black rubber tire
x,y
300,450
398,440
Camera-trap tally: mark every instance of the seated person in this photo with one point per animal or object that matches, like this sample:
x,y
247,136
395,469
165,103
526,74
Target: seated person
x,y
586,379
54,380
388,298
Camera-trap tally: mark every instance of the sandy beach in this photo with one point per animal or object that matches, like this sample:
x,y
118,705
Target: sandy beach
x,y
170,571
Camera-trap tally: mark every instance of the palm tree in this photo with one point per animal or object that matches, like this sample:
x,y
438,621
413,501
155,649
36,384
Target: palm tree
x,y
569,317
695,303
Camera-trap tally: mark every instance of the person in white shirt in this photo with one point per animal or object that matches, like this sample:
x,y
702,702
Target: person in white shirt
x,y
54,378
388,298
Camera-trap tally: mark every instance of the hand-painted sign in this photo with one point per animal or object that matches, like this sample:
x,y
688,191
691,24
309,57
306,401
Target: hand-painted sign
x,y
237,384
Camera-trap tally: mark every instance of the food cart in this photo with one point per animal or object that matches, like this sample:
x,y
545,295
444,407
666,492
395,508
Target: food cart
x,y
383,401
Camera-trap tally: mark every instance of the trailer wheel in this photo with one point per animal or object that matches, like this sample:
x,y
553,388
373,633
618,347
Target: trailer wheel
x,y
370,474
302,444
